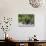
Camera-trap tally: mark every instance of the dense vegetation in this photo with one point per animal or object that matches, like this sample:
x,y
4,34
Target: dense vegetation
x,y
26,18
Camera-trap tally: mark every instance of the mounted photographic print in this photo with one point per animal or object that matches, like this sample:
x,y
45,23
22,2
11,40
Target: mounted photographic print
x,y
26,20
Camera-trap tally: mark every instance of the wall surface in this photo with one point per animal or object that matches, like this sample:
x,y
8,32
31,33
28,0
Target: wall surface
x,y
11,8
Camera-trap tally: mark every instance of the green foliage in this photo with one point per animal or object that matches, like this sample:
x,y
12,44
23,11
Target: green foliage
x,y
26,18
